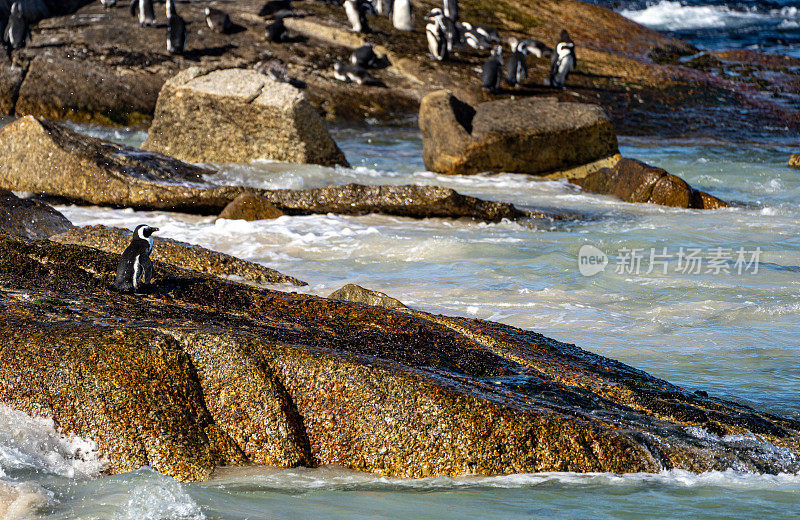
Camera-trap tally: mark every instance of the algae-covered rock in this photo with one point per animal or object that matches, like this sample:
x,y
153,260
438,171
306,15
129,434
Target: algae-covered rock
x,y
250,207
174,252
202,372
29,218
355,293
532,135
635,181
238,115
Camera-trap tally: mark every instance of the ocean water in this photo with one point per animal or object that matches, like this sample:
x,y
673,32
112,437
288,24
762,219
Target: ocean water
x,y
734,334
767,25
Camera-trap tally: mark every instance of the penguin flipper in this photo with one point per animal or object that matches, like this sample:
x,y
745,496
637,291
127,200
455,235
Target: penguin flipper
x,y
147,269
133,6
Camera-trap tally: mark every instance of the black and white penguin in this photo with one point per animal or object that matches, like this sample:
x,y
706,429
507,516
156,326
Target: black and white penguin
x,y
537,48
365,57
276,7
492,73
276,30
451,9
218,21
354,73
176,34
170,8
436,35
143,10
135,263
356,11
16,33
517,68
402,15
564,60
275,69
478,36
108,3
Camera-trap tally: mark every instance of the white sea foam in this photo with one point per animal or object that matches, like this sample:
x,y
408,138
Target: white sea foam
x,y
34,443
673,16
161,499
19,500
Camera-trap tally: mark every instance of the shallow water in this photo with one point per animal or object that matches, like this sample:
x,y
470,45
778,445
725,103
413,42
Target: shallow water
x,y
734,335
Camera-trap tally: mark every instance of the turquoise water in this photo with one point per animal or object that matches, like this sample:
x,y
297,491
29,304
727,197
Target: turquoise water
x,y
734,335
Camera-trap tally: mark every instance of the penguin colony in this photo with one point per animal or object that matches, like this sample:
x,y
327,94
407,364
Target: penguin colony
x,y
445,33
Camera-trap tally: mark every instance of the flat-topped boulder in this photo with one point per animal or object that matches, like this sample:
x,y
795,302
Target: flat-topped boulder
x,y
238,115
532,135
203,372
30,218
635,181
177,253
43,157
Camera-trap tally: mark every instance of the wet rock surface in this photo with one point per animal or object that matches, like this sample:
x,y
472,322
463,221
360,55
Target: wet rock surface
x,y
250,207
174,252
794,160
43,157
237,115
533,135
30,218
625,67
201,372
355,293
635,181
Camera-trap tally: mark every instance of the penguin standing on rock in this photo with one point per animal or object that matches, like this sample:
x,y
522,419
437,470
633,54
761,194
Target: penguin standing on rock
x,y
16,33
564,60
135,263
218,21
356,11
438,43
143,10
276,31
354,73
402,15
517,69
365,57
176,34
493,70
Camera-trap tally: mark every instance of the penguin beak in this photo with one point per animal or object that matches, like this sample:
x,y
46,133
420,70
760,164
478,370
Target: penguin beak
x,y
153,229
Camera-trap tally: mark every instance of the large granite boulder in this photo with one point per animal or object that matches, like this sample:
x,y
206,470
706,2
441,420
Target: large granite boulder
x,y
204,372
30,218
43,157
238,115
532,135
177,253
250,207
635,181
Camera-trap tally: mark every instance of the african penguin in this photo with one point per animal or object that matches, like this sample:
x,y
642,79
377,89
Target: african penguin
x,y
537,48
176,34
16,33
493,70
170,7
365,57
382,7
217,20
354,73
564,60
276,31
135,263
276,70
435,33
517,69
478,36
451,9
402,15
356,11
108,3
143,10
274,7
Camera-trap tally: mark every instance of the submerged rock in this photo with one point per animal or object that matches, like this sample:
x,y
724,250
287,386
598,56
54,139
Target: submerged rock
x,y
635,181
30,218
794,160
203,372
238,115
250,207
533,135
43,157
355,293
174,252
